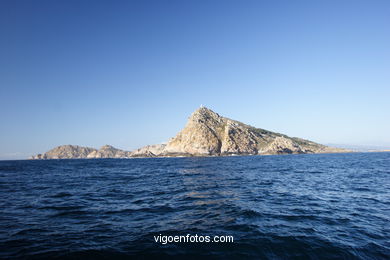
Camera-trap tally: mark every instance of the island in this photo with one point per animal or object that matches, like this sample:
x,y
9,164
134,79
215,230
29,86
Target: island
x,y
205,134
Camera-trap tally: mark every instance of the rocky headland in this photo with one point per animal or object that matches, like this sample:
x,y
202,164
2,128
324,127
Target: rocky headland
x,y
205,134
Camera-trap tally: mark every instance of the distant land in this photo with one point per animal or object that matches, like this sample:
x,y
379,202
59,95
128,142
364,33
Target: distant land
x,y
362,148
205,134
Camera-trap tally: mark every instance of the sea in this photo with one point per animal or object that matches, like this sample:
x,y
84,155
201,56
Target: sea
x,y
309,206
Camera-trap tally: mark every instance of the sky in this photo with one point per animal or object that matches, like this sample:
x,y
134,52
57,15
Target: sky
x,y
130,73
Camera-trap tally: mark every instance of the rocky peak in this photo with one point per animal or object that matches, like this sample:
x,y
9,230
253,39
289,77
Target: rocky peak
x,y
107,147
205,115
204,112
199,136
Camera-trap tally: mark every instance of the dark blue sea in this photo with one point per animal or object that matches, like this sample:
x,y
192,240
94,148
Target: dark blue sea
x,y
319,206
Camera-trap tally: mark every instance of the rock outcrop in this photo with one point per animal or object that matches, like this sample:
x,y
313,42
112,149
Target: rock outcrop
x,y
149,151
208,133
205,134
108,151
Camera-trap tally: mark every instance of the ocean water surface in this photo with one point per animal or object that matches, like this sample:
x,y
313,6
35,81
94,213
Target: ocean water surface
x,y
320,206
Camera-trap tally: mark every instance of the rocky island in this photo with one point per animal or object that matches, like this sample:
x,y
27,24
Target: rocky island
x,y
205,134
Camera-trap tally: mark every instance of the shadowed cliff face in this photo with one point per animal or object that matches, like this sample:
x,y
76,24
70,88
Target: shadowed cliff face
x,y
205,134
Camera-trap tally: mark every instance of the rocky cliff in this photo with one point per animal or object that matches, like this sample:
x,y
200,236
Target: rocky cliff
x,y
208,133
205,134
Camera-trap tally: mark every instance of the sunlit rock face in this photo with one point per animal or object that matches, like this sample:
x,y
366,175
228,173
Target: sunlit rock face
x,y
200,136
208,133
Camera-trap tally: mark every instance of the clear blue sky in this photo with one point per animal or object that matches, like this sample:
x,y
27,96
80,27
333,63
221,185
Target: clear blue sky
x,y
129,73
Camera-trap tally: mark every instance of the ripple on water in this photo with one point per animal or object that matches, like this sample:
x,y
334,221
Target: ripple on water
x,y
276,207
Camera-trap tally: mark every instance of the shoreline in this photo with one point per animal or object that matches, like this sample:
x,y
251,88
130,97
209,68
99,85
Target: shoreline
x,y
196,156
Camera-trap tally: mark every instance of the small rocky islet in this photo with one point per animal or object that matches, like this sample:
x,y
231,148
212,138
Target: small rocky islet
x,y
205,134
